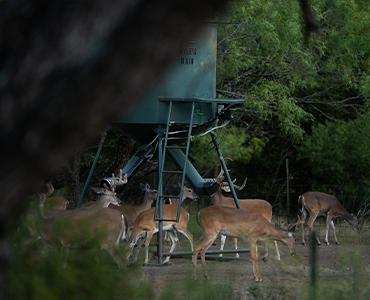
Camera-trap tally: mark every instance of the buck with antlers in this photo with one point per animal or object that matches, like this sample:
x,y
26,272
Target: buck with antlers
x,y
319,204
237,223
145,227
253,205
97,222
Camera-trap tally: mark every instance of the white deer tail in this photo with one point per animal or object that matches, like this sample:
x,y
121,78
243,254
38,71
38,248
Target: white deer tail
x,y
301,203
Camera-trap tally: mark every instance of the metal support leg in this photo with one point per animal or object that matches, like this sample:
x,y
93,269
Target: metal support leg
x,y
103,136
160,204
217,147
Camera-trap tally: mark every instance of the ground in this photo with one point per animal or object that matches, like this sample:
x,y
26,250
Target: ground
x,y
347,265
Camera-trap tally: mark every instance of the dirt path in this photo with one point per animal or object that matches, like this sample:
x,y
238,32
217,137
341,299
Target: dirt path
x,y
289,277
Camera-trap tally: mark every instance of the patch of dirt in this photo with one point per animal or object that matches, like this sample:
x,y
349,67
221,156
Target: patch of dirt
x,y
291,275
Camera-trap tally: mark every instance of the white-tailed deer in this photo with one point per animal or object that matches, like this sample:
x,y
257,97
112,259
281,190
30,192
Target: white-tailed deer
x,y
237,223
145,224
97,222
253,205
323,205
55,202
132,211
186,193
50,206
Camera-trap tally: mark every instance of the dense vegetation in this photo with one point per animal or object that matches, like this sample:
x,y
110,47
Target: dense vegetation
x,y
306,97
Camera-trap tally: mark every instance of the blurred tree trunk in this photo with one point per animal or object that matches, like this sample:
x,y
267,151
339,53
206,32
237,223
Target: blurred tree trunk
x,y
72,178
66,66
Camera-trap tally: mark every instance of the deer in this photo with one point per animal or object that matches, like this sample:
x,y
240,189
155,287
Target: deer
x,y
319,204
55,202
51,205
237,223
253,205
186,193
145,227
132,211
106,225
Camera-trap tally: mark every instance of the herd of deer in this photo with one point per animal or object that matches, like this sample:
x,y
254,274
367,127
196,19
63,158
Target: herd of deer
x,y
110,223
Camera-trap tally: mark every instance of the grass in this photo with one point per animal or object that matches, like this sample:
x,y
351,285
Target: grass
x,y
36,273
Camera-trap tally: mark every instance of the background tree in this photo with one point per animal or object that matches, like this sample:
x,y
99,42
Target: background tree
x,y
291,82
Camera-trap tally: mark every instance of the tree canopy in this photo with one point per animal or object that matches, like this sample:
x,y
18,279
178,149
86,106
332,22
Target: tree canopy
x,y
301,92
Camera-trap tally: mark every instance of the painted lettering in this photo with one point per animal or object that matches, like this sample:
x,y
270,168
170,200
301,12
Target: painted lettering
x,y
189,51
187,60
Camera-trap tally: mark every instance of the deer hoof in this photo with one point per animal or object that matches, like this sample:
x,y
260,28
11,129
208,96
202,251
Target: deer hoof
x,y
304,243
337,243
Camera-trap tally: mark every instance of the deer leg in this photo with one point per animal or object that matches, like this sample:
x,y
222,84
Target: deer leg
x,y
134,240
310,222
203,256
197,248
149,237
335,236
265,257
202,246
236,247
223,240
174,241
328,221
304,216
140,242
256,270
277,251
189,236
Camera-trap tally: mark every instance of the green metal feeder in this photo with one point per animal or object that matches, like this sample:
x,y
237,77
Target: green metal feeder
x,y
182,104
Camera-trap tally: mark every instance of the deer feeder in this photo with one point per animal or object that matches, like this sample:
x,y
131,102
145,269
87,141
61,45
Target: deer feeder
x,y
180,105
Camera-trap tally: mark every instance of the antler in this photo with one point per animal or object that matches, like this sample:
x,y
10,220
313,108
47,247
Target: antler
x,y
239,188
222,169
299,221
115,182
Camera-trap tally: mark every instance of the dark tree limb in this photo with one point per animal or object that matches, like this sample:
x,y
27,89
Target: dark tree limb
x,y
124,148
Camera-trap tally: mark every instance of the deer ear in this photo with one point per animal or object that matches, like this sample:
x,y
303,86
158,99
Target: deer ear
x,y
143,186
292,229
97,190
